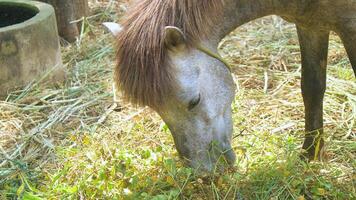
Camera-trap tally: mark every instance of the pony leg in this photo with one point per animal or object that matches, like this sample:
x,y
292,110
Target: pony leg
x,y
314,50
348,37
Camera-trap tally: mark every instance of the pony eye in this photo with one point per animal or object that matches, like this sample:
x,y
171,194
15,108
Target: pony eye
x,y
193,103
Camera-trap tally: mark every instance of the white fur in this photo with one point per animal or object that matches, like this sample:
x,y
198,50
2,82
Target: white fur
x,y
114,28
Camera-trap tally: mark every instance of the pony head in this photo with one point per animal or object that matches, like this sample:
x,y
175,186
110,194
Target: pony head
x,y
198,108
161,64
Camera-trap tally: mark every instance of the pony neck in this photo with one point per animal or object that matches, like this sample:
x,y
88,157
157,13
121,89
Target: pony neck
x,y
239,12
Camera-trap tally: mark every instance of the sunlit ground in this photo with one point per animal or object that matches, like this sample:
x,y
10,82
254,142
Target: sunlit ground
x,y
75,142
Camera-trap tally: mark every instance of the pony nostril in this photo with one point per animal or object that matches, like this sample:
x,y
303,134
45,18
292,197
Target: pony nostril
x,y
218,150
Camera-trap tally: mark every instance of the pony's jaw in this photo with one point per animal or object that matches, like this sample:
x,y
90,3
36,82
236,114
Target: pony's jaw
x,y
203,134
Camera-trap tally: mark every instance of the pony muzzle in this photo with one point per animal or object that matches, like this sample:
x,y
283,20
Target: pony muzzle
x,y
222,154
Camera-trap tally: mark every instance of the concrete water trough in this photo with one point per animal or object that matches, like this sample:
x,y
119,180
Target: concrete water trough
x,y
29,45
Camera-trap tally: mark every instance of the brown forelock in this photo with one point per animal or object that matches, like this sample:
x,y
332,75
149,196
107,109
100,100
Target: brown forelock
x,y
143,72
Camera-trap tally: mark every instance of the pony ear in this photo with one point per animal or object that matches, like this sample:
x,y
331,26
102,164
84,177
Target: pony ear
x,y
174,37
114,28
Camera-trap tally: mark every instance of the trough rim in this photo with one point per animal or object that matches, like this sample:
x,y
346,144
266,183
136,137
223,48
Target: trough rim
x,y
44,11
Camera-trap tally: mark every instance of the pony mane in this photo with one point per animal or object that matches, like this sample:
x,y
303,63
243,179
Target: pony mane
x,y
142,72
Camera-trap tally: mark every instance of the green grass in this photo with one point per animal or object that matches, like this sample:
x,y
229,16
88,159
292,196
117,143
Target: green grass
x,y
73,141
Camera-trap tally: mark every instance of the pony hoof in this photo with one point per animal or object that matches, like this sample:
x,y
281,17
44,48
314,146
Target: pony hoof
x,y
309,156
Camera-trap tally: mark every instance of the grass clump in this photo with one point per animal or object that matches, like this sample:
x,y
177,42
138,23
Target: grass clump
x,y
74,141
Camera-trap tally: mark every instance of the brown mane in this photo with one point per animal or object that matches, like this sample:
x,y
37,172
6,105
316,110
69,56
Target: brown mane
x,y
142,72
